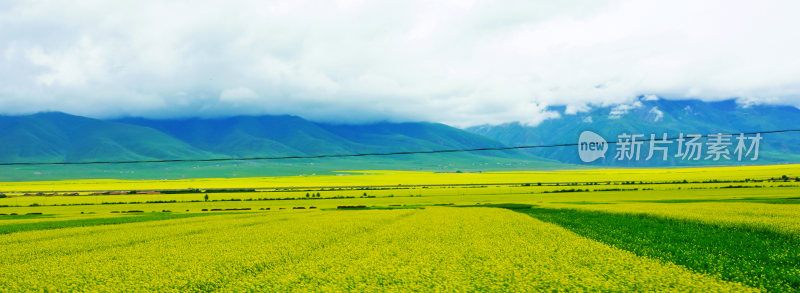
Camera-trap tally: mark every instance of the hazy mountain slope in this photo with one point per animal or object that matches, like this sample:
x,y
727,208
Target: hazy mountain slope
x,y
246,136
290,135
648,116
62,137
58,137
409,136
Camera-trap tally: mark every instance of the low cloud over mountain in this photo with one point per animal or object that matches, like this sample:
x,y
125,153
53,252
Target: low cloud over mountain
x,y
462,63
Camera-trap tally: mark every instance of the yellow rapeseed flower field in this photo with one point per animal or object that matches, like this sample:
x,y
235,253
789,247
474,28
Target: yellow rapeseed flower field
x,y
393,178
433,249
726,229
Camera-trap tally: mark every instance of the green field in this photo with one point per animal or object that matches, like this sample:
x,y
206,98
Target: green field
x,y
729,229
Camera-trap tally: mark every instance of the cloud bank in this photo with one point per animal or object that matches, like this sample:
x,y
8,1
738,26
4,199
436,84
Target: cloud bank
x,y
458,62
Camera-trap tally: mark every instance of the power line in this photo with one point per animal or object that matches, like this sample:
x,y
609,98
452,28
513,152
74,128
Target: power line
x,y
363,154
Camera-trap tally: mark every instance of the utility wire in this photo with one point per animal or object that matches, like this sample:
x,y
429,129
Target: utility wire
x,y
368,154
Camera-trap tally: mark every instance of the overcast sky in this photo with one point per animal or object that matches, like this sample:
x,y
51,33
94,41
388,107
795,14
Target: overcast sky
x,y
458,62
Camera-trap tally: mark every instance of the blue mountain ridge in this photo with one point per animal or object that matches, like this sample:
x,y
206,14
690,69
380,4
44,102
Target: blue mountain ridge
x,y
60,137
657,116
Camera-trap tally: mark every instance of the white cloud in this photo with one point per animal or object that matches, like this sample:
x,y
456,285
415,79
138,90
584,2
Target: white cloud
x,y
575,108
458,62
655,115
689,110
620,110
650,98
238,94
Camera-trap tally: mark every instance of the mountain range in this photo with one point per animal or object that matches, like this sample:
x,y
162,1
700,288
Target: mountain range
x,y
652,115
60,137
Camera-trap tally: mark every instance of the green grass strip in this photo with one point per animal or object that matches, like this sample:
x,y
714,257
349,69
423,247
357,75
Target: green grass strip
x,y
762,259
45,225
769,200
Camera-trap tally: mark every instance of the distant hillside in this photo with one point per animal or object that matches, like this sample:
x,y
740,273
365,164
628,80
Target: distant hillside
x,y
657,116
59,137
244,136
248,136
48,137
